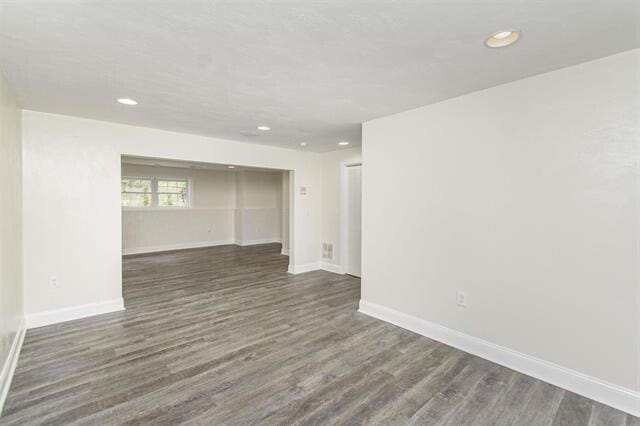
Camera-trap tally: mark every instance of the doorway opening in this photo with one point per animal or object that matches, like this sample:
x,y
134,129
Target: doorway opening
x,y
351,219
170,205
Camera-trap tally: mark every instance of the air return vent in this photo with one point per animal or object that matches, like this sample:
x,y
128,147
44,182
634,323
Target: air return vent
x,y
327,251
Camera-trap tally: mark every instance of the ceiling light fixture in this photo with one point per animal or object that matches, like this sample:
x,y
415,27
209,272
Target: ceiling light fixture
x,y
343,143
231,167
502,38
303,144
264,128
127,101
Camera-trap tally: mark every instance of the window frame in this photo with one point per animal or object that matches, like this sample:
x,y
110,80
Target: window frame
x,y
156,201
154,193
151,193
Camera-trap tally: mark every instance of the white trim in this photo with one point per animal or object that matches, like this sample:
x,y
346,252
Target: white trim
x,y
184,246
284,252
256,242
10,363
607,393
41,319
180,246
331,267
306,267
344,212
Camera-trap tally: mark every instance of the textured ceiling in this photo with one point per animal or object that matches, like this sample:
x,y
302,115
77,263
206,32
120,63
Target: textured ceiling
x,y
313,71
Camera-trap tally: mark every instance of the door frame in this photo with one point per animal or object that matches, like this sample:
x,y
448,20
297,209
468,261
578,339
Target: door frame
x,y
344,213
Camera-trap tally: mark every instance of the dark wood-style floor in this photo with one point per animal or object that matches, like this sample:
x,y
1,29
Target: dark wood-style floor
x,y
225,336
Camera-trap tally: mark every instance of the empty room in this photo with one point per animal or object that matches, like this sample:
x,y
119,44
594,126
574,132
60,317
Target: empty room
x,y
296,212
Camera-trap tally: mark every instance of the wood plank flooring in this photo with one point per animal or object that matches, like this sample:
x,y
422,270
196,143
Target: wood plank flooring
x,y
224,335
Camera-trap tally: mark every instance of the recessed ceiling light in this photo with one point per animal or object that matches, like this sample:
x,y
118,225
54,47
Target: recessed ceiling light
x,y
231,167
343,143
264,128
502,39
127,101
303,144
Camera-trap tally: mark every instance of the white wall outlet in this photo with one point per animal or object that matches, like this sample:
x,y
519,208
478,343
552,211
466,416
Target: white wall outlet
x,y
53,281
461,299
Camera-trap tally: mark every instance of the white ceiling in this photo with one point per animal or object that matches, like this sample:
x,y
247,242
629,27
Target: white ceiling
x,y
313,71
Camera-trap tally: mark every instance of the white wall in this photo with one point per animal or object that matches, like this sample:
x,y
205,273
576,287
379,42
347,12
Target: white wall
x,y
258,207
76,235
525,196
332,165
209,220
285,212
11,312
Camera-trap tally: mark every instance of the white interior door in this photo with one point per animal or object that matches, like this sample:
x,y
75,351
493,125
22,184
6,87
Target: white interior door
x,y
354,214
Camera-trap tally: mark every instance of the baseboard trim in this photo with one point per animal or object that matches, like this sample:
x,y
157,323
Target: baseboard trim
x,y
301,269
331,267
607,393
171,247
41,319
314,266
10,363
256,242
284,252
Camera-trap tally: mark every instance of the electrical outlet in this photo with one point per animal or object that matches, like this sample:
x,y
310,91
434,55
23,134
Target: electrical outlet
x,y
461,299
53,281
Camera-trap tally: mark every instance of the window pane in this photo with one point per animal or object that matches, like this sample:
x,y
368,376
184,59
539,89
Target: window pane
x,y
130,199
172,200
173,186
135,185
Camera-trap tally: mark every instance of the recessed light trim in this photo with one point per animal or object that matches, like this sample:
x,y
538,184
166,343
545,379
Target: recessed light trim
x,y
303,144
343,143
264,128
502,38
127,101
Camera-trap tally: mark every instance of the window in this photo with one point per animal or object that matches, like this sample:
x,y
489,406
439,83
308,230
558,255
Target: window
x,y
139,192
136,192
173,193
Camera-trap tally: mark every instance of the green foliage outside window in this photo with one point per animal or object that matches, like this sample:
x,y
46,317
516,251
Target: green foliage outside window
x,y
140,192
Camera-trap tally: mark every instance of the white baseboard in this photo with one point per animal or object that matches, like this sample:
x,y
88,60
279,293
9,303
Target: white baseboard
x,y
307,267
10,363
41,319
256,242
314,266
170,247
331,267
607,393
184,246
285,252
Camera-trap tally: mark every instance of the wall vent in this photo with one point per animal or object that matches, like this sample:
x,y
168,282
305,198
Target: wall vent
x,y
327,251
